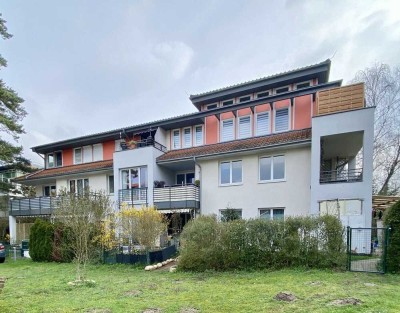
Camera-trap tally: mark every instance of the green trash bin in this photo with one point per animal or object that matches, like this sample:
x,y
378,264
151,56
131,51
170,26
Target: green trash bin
x,y
24,246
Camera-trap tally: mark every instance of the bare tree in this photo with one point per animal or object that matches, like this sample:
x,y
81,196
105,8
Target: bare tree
x,y
82,217
382,90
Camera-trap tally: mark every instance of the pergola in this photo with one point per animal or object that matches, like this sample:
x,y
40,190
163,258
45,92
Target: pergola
x,y
381,203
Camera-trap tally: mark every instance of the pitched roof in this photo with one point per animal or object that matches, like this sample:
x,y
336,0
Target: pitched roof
x,y
290,137
249,82
67,170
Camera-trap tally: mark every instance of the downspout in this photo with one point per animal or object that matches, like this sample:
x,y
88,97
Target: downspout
x,y
196,163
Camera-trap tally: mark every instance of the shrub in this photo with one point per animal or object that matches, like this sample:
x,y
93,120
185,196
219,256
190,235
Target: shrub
x,y
392,219
41,241
257,244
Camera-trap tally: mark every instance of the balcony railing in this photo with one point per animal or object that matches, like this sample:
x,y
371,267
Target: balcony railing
x,y
143,144
32,206
342,176
177,197
340,99
134,196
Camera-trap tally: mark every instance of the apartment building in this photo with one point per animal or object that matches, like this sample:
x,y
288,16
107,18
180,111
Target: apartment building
x,y
289,144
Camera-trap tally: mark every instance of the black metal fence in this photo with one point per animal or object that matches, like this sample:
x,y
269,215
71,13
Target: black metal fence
x,y
367,249
340,176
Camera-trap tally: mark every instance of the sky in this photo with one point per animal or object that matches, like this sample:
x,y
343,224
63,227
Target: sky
x,y
90,66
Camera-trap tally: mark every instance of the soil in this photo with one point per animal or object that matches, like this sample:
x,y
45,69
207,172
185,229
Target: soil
x,y
285,296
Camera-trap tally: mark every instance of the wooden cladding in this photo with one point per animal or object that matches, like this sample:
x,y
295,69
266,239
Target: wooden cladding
x,y
340,99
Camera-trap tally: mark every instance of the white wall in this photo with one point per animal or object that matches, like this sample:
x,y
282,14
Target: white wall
x,y
344,122
293,194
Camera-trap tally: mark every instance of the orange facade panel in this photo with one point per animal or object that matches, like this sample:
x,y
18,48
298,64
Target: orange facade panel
x,y
108,149
67,156
340,99
302,112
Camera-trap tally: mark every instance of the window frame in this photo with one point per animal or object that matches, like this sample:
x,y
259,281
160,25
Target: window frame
x,y
184,138
230,173
54,155
212,104
258,93
256,123
250,126
202,135
108,184
140,178
271,216
250,96
288,126
303,82
281,87
222,128
223,103
50,190
272,180
81,162
75,180
173,139
185,174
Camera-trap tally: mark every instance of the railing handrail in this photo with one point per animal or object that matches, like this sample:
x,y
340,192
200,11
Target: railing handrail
x,y
177,185
341,175
146,143
355,170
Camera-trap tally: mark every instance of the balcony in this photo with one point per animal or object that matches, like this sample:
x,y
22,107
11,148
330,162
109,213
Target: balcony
x,y
149,142
342,176
32,206
133,196
340,99
177,197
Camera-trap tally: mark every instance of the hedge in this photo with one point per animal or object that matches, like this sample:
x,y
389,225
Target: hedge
x,y
392,219
316,242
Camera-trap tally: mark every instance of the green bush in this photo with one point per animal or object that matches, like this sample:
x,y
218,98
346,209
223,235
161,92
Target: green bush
x,y
41,241
392,219
257,244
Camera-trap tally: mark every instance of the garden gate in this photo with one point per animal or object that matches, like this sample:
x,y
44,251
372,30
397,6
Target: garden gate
x,y
367,249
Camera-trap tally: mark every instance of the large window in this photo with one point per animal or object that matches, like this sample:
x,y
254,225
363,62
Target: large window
x,y
90,153
282,120
49,191
244,127
77,155
185,178
272,168
199,135
230,172
79,185
134,178
187,137
227,130
272,214
54,159
176,139
262,124
110,183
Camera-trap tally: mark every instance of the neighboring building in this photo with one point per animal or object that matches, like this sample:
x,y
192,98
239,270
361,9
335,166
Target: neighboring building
x,y
288,144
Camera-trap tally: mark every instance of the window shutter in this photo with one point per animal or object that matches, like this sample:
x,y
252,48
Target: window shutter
x,y
263,127
176,140
227,132
87,154
199,135
98,152
282,120
244,127
187,140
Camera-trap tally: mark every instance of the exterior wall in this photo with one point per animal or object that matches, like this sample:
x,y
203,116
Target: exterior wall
x,y
302,112
293,194
97,181
161,136
211,130
350,121
67,156
108,149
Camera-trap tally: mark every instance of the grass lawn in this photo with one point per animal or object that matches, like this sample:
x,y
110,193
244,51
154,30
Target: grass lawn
x,y
42,287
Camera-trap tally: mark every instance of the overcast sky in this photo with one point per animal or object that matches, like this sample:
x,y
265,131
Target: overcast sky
x,y
90,66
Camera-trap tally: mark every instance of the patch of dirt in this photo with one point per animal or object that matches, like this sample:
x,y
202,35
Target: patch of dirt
x,y
285,296
152,310
133,293
346,301
189,310
97,310
2,283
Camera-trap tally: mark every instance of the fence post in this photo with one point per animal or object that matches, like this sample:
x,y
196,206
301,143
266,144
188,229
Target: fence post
x,y
386,244
348,248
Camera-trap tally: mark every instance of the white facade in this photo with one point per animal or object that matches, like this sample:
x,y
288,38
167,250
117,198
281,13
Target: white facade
x,y
292,193
344,123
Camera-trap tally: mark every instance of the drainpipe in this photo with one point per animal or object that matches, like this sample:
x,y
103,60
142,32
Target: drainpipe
x,y
196,163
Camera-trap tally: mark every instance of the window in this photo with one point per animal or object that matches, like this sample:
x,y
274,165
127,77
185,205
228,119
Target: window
x,y
230,172
245,98
110,183
199,135
303,85
49,191
77,155
282,120
98,152
272,168
79,185
262,124
263,94
228,215
282,89
187,137
244,126
185,178
176,141
227,130
212,106
134,178
272,214
227,102
54,159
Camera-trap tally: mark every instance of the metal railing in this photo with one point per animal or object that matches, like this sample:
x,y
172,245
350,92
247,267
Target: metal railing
x,y
340,176
133,196
32,206
143,144
177,197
